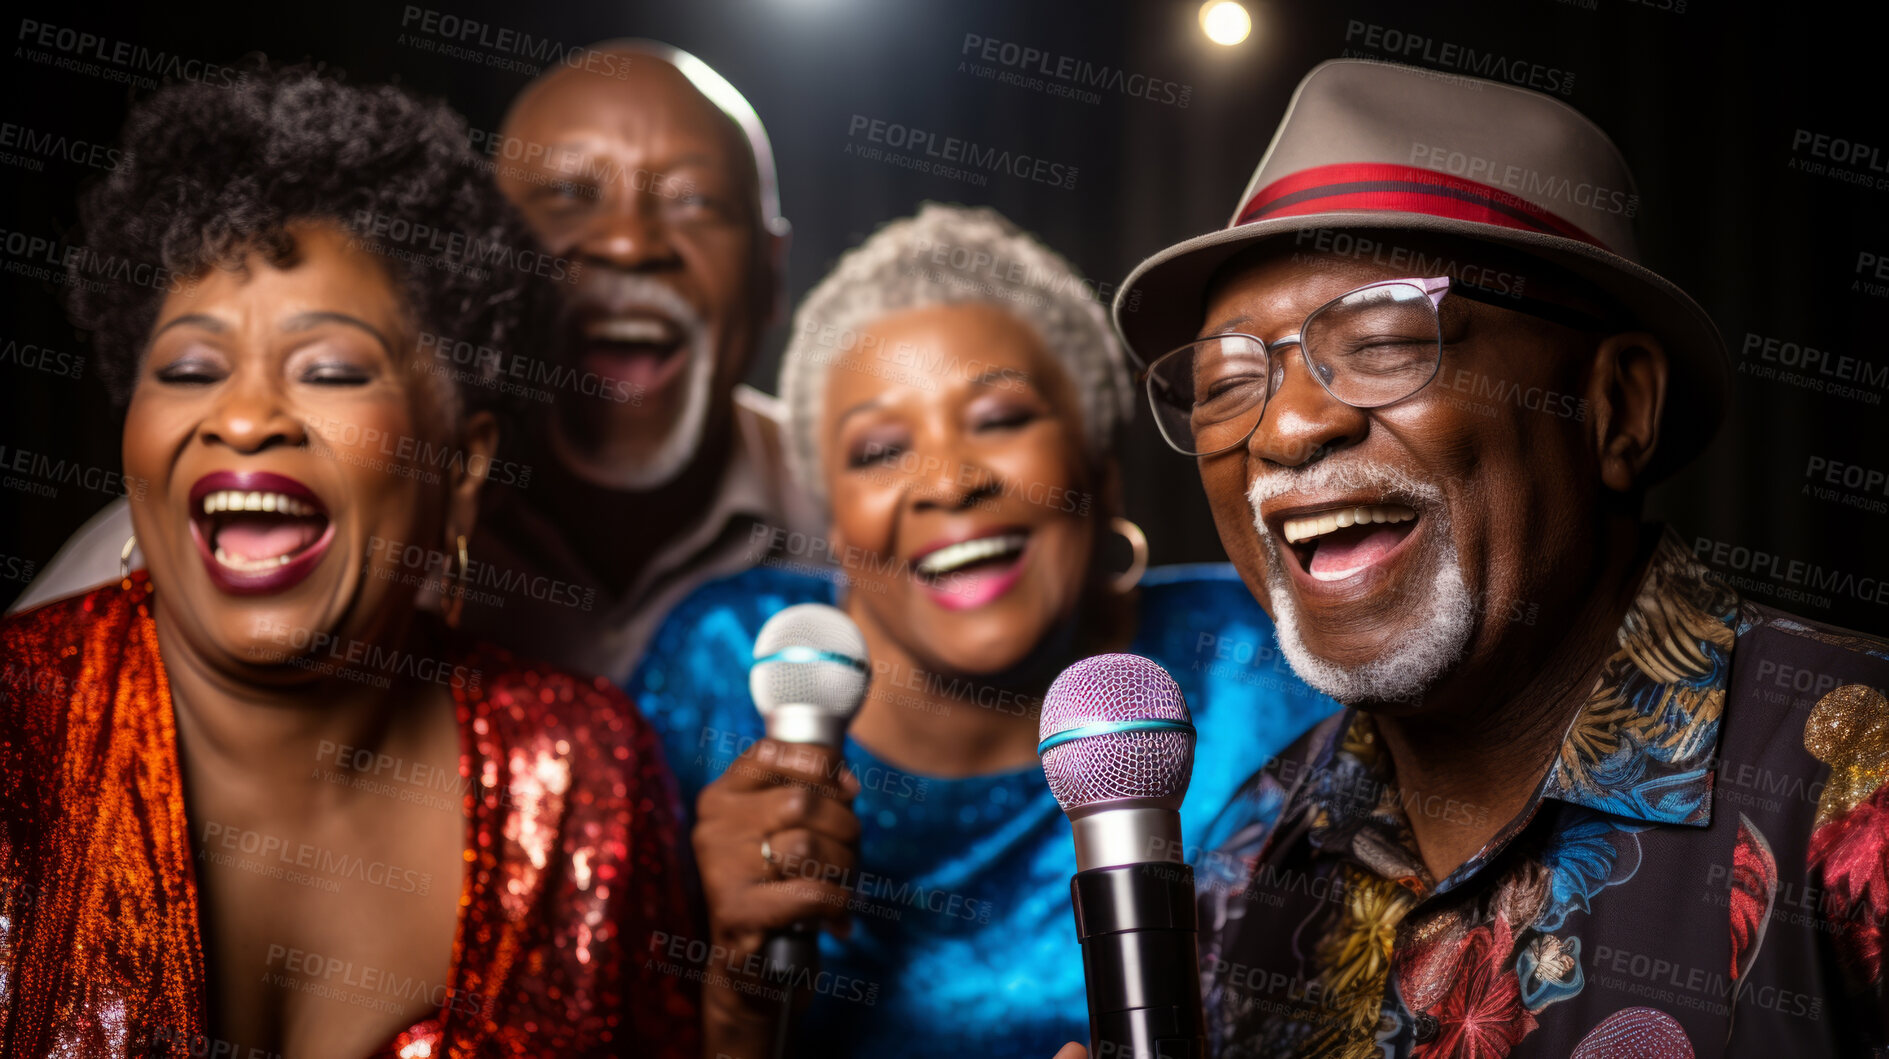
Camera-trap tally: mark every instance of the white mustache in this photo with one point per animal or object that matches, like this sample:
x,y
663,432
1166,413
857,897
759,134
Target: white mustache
x,y
1329,476
617,294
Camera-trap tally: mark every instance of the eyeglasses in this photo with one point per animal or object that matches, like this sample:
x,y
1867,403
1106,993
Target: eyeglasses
x,y
1368,348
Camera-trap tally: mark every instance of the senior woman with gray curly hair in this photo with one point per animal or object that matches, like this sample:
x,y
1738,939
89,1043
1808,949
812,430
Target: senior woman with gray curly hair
x,y
954,397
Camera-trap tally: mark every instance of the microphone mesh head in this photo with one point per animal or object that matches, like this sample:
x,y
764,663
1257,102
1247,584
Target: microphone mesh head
x,y
1112,766
809,654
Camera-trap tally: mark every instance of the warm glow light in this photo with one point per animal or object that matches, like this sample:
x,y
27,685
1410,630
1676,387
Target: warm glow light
x,y
1225,22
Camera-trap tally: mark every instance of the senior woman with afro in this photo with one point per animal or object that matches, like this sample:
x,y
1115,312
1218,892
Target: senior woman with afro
x,y
255,799
958,425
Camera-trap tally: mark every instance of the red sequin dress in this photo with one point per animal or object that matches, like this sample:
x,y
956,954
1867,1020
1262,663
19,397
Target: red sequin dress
x,y
572,866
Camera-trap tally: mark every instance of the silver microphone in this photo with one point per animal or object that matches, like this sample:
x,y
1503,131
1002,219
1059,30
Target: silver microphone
x,y
809,679
1118,750
810,674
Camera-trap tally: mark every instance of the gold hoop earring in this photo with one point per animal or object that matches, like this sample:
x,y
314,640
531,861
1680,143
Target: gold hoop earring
x,y
124,558
455,600
1125,582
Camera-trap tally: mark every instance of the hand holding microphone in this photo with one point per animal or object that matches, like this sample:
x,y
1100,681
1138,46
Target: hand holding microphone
x,y
1118,750
775,834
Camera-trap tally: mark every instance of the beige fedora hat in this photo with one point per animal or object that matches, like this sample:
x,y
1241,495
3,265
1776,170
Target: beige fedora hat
x,y
1379,146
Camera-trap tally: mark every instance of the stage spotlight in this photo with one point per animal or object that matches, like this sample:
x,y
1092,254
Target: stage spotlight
x,y
1225,22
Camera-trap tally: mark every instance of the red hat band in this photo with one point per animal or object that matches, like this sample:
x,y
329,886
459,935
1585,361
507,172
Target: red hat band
x,y
1403,189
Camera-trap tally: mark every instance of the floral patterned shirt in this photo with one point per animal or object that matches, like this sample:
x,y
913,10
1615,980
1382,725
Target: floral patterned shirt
x,y
1704,869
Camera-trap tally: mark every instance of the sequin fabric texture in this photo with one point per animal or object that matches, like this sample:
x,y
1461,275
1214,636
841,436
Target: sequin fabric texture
x,y
1700,873
571,868
963,942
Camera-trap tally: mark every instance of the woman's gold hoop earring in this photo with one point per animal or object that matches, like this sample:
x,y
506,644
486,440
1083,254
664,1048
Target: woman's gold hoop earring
x,y
124,557
1126,581
455,600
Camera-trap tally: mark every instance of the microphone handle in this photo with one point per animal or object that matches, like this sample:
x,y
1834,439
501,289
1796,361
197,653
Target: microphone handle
x,y
789,952
785,955
1141,961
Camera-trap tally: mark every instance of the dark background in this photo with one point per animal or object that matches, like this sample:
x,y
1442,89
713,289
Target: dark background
x,y
1704,99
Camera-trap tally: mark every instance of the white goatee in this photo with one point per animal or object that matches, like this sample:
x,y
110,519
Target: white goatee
x,y
1446,614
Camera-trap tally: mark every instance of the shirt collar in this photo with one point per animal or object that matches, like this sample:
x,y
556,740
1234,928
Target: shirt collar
x,y
1642,747
753,485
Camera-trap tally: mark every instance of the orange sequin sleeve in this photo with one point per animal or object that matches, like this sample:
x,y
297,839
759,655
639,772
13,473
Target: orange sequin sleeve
x,y
572,862
99,951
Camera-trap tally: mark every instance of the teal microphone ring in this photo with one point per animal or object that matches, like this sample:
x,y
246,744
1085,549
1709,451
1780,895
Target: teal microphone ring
x,y
797,653
1111,728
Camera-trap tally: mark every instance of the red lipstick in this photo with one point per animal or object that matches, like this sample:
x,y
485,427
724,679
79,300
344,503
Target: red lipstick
x,y
268,513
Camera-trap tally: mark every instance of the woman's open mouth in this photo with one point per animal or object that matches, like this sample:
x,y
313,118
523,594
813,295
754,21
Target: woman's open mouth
x,y
969,573
1343,542
257,531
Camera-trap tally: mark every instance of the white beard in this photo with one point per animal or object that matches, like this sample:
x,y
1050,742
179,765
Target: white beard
x,y
1446,614
684,439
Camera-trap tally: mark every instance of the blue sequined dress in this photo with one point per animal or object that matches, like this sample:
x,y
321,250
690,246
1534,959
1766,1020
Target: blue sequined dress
x,y
963,943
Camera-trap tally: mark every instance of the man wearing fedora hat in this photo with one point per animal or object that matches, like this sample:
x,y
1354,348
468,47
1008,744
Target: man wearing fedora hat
x,y
1585,799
